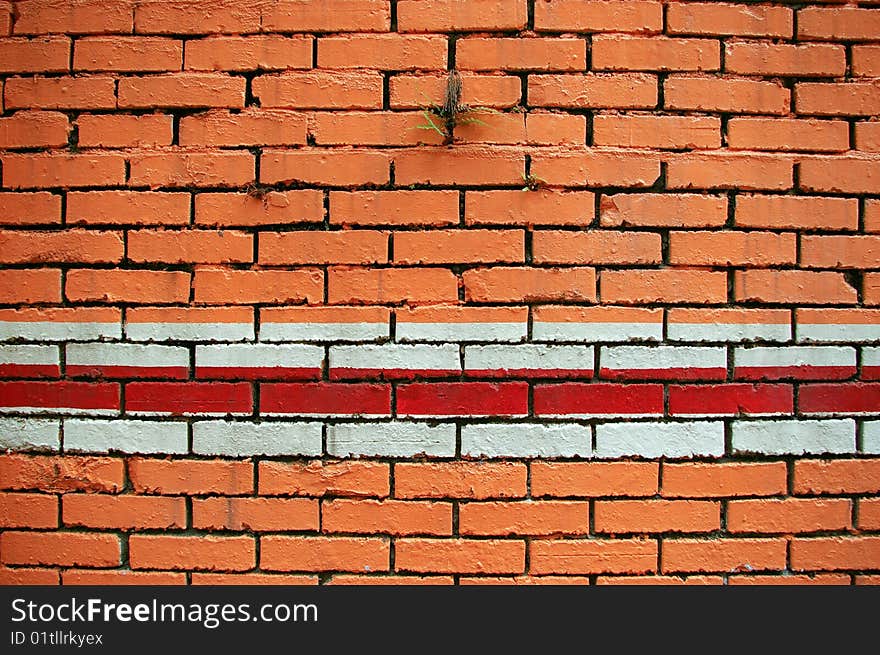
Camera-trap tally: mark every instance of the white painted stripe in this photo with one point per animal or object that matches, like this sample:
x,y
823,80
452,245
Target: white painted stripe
x,y
29,354
526,440
323,331
189,331
30,434
729,332
58,331
257,355
528,356
795,356
126,354
82,435
844,333
794,437
870,356
71,411
459,332
596,332
394,356
653,440
871,438
394,439
238,439
661,357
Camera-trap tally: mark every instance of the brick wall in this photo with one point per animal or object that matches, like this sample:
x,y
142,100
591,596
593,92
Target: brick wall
x,y
258,325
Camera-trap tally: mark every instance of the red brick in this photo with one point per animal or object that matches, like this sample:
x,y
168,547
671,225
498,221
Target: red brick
x,y
730,248
123,512
397,517
460,555
72,246
866,60
868,136
373,129
796,212
194,17
38,208
49,54
252,579
183,169
468,167
834,99
128,208
191,246
783,59
409,91
59,93
60,548
541,207
30,285
255,514
325,167
32,171
121,577
327,16
597,168
182,90
723,555
319,478
320,90
788,515
545,517
487,54
787,579
593,90
869,514
394,207
716,18
461,16
247,53
459,246
651,516
281,553
27,576
201,553
665,132
840,251
271,208
22,510
463,398
729,171
382,51
835,553
588,556
251,127
74,17
787,134
603,16
840,175
182,476
595,247
839,23
127,54
741,96
311,247
663,210
613,52
472,480
124,131
61,474
34,129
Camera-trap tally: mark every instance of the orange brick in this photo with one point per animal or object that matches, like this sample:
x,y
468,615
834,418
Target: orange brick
x,y
716,18
662,210
522,284
785,59
220,286
60,474
840,175
47,54
311,247
866,60
813,477
559,53
383,51
459,246
193,17
113,578
590,16
21,510
128,208
394,207
255,514
847,23
595,247
25,576
85,17
30,171
664,285
698,480
868,136
473,480
391,580
460,555
788,515
659,580
867,579
179,169
181,476
38,208
279,553
123,512
787,579
591,479
459,16
490,127
793,287
30,285
593,90
247,53
840,251
373,129
647,516
124,131
135,286
59,93
321,16
60,548
730,248
320,89
414,91
391,285
463,166
545,517
34,129
189,246
73,245
723,555
613,52
597,168
869,513
252,579
398,517
182,90
835,553
545,128
320,478
665,132
796,212
541,207
787,134
741,96
201,553
269,127
587,556
834,99
871,289
127,54
273,208
729,171
325,167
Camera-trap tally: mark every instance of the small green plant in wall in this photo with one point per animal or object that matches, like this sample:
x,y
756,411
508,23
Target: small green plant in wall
x,y
444,118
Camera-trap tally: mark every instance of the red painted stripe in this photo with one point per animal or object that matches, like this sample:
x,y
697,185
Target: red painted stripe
x,y
827,398
663,373
871,372
530,373
61,394
189,397
30,370
389,373
463,399
326,398
257,373
731,399
806,372
120,372
598,398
